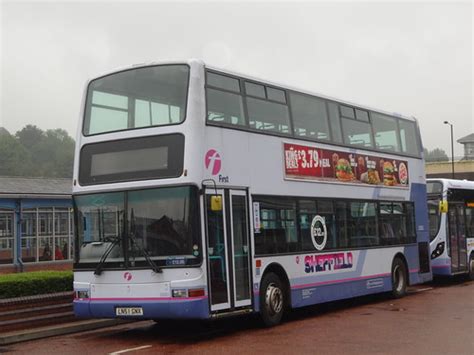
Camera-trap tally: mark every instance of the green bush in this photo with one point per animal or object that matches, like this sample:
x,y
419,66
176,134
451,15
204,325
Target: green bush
x,y
35,283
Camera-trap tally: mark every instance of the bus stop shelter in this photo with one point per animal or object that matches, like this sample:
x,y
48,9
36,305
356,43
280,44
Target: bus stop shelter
x,y
36,221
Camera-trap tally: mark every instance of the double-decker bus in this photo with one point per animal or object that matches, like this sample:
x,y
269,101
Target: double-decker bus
x,y
451,221
201,193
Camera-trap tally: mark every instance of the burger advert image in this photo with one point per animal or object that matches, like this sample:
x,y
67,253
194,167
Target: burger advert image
x,y
310,163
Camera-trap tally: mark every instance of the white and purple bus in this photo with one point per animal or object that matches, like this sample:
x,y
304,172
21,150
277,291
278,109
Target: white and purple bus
x,y
451,220
201,193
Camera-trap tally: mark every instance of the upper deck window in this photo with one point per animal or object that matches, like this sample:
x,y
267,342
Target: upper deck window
x,y
347,111
142,97
408,137
268,116
223,82
335,122
309,116
386,132
249,105
276,95
269,112
356,126
357,133
224,101
256,90
362,115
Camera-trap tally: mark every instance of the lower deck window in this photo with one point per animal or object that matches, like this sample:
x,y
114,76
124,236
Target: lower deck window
x,y
291,225
279,225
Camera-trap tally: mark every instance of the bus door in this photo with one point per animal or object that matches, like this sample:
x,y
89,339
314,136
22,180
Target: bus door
x,y
457,237
228,254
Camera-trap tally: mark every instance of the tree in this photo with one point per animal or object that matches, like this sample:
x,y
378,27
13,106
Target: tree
x,y
29,136
53,154
34,152
15,160
436,154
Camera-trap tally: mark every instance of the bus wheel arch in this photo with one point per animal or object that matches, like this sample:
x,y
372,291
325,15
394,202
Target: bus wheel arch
x,y
399,276
274,285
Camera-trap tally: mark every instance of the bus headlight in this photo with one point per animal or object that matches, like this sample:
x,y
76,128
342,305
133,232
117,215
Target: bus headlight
x,y
180,293
81,294
438,251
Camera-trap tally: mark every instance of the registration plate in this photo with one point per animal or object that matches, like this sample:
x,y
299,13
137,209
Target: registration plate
x,y
129,311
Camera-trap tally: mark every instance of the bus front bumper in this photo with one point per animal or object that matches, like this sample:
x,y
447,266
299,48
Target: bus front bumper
x,y
159,308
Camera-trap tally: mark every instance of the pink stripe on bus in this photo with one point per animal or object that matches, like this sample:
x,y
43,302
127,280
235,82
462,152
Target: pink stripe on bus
x,y
145,299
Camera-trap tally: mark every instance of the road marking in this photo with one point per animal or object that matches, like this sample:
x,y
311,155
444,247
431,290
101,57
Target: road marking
x,y
421,290
131,349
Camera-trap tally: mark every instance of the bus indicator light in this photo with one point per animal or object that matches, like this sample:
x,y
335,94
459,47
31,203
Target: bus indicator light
x,y
443,206
258,263
198,292
216,203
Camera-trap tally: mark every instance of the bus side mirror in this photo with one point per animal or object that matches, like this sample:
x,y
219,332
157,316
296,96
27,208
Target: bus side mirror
x,y
216,203
443,206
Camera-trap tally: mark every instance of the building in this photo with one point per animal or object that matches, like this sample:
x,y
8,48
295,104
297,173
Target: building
x,y
36,224
468,142
463,166
463,169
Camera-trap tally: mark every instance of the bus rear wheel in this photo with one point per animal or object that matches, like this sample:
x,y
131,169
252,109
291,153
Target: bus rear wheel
x,y
272,299
471,267
399,278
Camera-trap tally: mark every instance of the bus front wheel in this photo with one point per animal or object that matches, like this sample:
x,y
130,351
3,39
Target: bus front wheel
x,y
399,278
471,267
272,299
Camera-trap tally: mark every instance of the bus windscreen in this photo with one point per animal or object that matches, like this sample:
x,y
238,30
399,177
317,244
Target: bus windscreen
x,y
136,98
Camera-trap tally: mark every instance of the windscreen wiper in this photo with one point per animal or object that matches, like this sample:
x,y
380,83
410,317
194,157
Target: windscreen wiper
x,y
100,265
150,262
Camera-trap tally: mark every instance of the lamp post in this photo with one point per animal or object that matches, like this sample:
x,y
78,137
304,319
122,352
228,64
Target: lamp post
x,y
452,148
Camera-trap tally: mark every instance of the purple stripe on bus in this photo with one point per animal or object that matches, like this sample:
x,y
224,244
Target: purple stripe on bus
x,y
339,281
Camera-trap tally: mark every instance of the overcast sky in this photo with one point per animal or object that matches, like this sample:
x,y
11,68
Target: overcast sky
x,y
411,58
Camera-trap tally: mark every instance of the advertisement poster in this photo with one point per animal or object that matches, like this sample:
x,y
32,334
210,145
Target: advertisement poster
x,y
310,163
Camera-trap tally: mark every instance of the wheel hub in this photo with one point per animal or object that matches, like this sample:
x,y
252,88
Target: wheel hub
x,y
274,299
398,277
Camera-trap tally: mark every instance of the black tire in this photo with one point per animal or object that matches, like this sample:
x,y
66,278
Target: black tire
x,y
399,278
272,299
471,268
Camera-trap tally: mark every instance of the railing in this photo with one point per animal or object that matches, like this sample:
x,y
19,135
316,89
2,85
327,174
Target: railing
x,y
458,158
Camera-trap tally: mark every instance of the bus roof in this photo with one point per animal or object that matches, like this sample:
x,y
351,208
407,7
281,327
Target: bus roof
x,y
454,184
261,80
307,92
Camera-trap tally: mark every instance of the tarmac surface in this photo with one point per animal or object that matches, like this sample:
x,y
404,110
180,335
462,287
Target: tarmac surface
x,y
433,319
